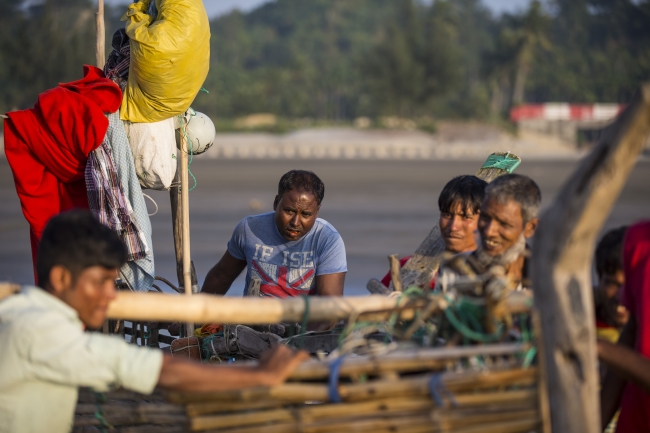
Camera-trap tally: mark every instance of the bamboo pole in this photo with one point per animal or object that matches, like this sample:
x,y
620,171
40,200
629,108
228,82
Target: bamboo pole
x,y
185,221
411,386
202,308
100,47
375,408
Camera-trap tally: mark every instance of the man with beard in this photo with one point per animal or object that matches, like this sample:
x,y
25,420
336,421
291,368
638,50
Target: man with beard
x,y
508,216
291,250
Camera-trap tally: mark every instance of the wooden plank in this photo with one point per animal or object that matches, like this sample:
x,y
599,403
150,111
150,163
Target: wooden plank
x,y
423,264
561,267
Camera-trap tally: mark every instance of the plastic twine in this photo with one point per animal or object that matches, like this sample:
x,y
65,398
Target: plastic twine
x,y
437,387
333,383
502,162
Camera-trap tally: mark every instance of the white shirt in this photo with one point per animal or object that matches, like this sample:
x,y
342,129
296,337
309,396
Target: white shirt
x,y
45,355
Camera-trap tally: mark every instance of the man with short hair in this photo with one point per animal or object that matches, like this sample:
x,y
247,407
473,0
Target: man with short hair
x,y
459,204
291,250
611,316
46,355
508,216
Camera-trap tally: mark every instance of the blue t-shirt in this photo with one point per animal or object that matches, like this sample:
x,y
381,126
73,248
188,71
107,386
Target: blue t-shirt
x,y
286,268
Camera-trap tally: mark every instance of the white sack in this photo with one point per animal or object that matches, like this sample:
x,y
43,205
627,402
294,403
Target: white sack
x,y
154,152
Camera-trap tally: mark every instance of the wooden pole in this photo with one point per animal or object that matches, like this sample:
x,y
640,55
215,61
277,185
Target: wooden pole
x,y
561,268
395,277
202,308
100,47
185,219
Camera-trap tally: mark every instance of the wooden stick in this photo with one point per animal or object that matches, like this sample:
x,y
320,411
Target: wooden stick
x,y
100,47
258,311
185,219
561,267
376,287
422,266
395,276
542,386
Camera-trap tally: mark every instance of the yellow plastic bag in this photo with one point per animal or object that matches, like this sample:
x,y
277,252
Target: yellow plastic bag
x,y
170,59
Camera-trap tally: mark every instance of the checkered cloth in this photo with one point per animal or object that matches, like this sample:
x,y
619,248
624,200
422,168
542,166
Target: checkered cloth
x,y
108,202
117,64
138,274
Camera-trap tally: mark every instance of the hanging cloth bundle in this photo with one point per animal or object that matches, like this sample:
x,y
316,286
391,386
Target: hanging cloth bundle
x,y
108,202
170,58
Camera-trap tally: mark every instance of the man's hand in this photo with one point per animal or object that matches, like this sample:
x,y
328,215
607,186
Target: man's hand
x,y
275,367
279,362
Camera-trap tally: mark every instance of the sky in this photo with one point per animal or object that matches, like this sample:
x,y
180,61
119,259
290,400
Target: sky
x,y
220,7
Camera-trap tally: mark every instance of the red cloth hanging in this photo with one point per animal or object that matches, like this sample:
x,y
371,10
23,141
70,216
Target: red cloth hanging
x,y
47,146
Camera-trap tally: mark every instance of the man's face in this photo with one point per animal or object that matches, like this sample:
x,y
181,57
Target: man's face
x,y
457,228
501,225
295,213
611,283
90,294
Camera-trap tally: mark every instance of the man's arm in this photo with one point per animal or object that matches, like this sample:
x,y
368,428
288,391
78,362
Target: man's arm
x,y
222,275
330,284
626,363
614,384
274,368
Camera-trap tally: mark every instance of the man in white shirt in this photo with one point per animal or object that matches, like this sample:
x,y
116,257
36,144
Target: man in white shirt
x,y
45,354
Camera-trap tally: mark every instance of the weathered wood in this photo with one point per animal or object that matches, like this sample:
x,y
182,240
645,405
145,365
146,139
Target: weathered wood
x,y
202,308
423,265
376,287
561,267
395,277
100,46
542,386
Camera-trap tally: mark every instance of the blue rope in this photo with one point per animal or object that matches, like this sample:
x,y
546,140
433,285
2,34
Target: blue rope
x,y
333,384
436,387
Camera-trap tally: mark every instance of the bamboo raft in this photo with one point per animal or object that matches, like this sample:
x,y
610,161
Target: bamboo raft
x,y
405,391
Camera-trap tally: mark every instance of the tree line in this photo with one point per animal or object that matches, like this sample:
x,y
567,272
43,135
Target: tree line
x,y
341,59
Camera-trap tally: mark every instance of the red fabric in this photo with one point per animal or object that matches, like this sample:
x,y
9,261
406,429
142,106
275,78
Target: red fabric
x,y
386,280
47,146
635,405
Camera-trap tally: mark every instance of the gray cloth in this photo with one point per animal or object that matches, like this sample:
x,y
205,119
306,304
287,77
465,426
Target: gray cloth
x,y
138,274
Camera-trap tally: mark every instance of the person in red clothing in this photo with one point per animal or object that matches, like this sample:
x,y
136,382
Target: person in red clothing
x,y
626,383
611,316
459,204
